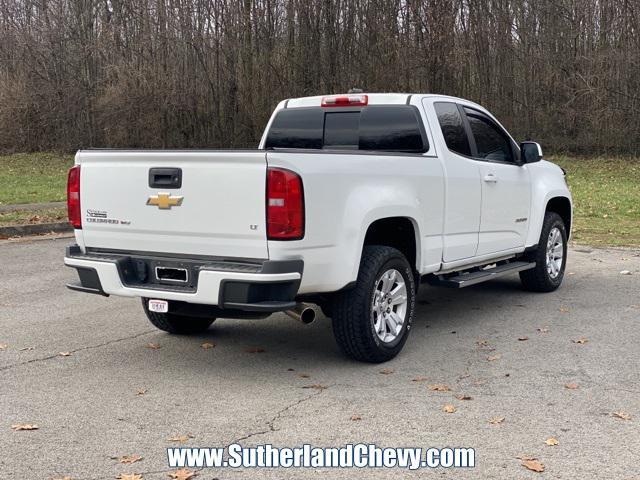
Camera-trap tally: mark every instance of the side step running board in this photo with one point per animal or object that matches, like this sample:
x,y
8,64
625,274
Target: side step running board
x,y
464,279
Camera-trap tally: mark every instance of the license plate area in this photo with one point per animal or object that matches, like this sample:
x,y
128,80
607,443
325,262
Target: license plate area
x,y
158,306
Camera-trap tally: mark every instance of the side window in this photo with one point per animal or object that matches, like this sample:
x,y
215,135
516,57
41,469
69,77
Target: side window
x,y
491,142
452,128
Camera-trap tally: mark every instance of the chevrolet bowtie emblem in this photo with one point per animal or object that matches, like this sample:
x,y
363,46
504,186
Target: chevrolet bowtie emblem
x,y
165,201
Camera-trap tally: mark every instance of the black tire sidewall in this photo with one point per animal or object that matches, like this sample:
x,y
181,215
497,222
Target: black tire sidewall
x,y
398,262
553,221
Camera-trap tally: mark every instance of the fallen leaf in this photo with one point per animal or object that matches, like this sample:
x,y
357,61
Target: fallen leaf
x,y
571,386
153,346
356,418
24,426
128,459
182,474
129,476
626,272
580,340
563,309
304,375
523,339
543,330
386,371
64,354
439,387
255,350
207,345
181,438
461,396
420,379
316,386
533,465
551,441
492,358
496,420
449,409
141,391
622,415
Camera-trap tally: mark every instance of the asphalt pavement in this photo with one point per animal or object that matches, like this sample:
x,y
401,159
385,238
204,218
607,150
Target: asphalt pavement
x,y
121,387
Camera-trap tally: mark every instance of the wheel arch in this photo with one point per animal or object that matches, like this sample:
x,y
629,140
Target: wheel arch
x,y
562,206
399,232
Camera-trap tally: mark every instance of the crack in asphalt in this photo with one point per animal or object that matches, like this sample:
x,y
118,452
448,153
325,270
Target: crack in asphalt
x,y
89,347
278,416
270,428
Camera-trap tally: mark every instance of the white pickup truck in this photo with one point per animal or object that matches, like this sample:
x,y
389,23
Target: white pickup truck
x,y
349,202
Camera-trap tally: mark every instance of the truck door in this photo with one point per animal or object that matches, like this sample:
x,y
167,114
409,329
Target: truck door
x,y
462,184
506,186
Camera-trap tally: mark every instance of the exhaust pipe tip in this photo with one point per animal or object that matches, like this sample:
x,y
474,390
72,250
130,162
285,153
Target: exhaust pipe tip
x,y
302,312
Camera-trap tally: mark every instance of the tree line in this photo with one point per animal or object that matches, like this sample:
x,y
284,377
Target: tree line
x,y
207,73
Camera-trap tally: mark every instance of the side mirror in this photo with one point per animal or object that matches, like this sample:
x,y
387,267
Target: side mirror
x,y
530,152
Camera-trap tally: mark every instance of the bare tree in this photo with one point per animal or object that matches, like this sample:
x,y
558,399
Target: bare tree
x,y
207,73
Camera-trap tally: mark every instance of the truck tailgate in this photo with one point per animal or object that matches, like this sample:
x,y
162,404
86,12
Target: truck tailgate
x,y
219,209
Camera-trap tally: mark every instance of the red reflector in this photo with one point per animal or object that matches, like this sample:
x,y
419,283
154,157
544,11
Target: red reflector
x,y
345,101
73,197
285,205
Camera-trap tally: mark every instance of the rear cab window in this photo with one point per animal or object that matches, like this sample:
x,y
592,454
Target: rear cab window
x,y
384,128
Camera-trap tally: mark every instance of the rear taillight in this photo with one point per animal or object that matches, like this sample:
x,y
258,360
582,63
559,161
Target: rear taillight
x,y
285,205
73,197
345,101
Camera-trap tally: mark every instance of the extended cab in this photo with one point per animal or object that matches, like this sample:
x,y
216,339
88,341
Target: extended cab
x,y
349,202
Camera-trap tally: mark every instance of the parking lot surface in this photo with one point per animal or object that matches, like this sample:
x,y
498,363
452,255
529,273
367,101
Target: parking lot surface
x,y
100,382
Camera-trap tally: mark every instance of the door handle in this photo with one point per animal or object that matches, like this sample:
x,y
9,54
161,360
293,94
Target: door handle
x,y
490,178
165,177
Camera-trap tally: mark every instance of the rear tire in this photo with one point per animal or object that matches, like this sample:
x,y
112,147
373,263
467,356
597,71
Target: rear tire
x,y
550,257
174,323
371,321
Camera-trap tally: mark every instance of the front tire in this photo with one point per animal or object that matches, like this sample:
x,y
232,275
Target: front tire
x,y
550,257
371,321
174,323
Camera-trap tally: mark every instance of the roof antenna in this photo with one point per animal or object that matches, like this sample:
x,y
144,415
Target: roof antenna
x,y
355,90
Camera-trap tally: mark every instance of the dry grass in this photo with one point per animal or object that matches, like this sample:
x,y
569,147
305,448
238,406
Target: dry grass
x,y
606,196
33,177
29,217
